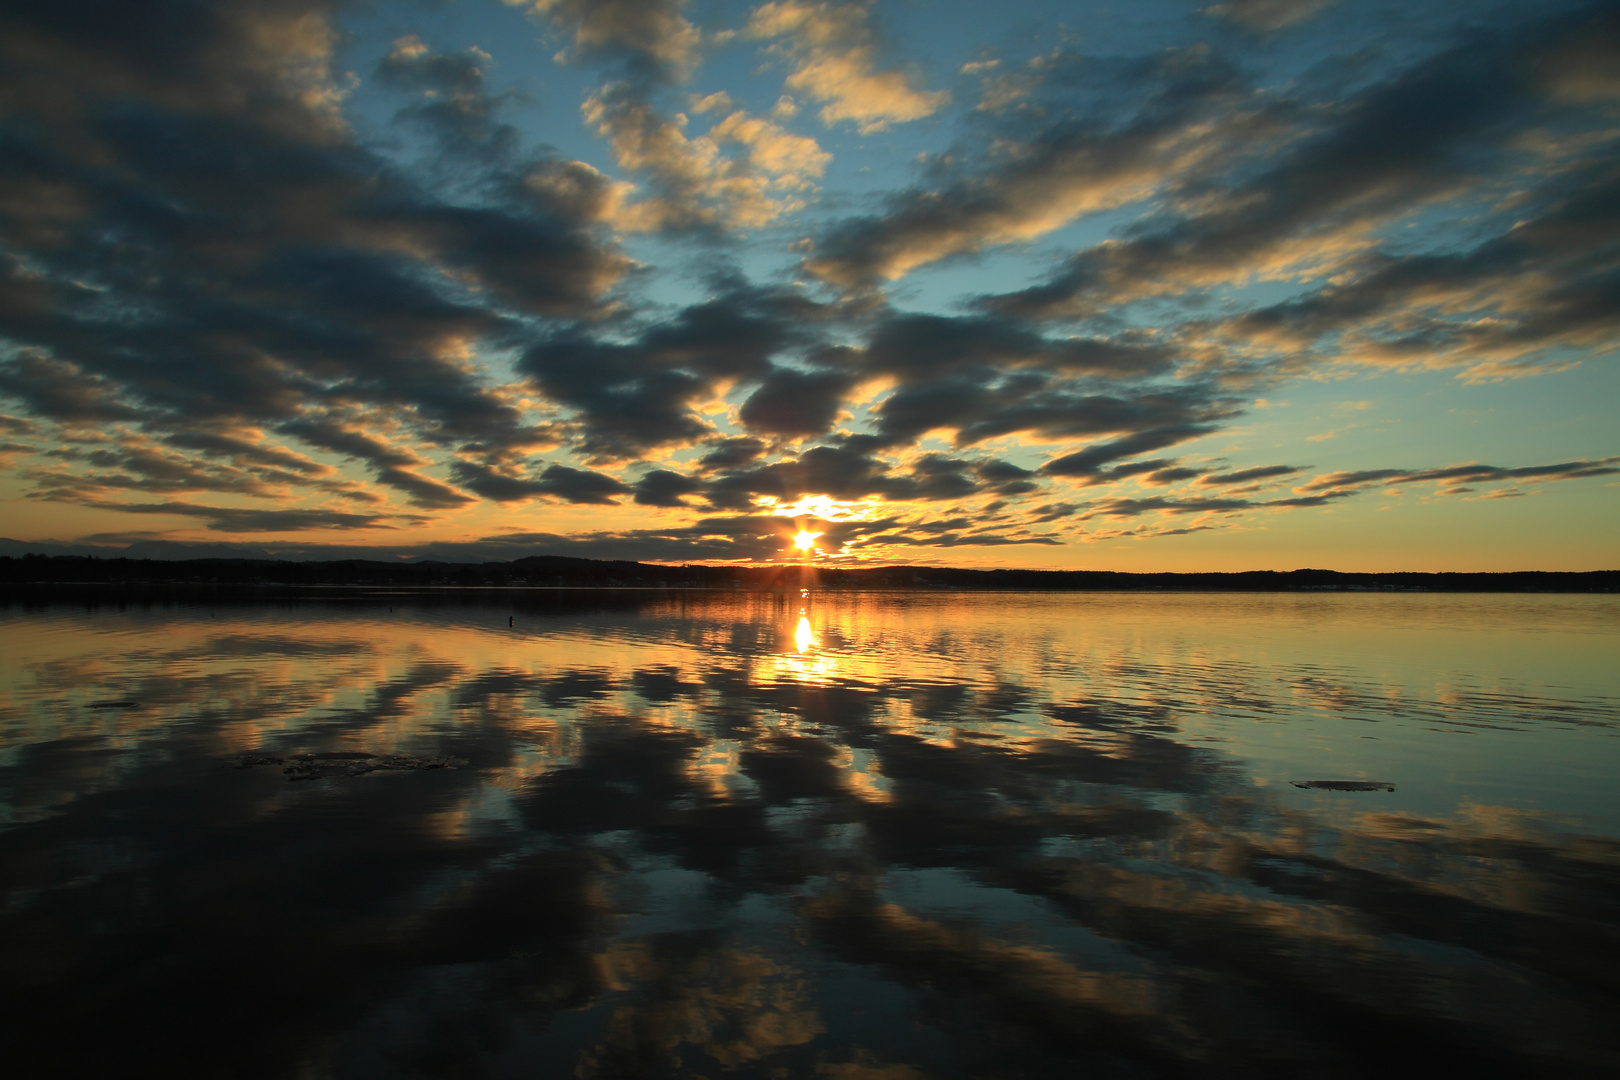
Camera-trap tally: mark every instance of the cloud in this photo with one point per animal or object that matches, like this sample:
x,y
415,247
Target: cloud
x,y
248,447
1578,66
983,377
497,485
629,398
853,471
129,462
1126,508
1247,476
1496,310
557,481
1336,486
795,403
232,519
1089,462
1395,148
412,64
453,101
1005,478
651,36
394,467
581,485
661,487
840,472
834,57
1018,189
730,453
981,409
1266,16
909,345
1162,474
223,256
1471,472
61,390
724,538
640,389
695,185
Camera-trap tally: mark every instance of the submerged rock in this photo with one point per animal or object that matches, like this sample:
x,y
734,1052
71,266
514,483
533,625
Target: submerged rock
x,y
248,761
1344,785
316,766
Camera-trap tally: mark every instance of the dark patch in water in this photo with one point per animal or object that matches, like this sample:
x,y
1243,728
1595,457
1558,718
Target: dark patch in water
x,y
1343,785
316,766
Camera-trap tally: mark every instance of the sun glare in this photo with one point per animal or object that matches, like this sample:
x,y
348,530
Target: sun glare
x,y
821,506
805,540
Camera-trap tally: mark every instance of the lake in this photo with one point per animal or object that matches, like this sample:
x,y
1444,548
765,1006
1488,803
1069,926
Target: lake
x,y
852,836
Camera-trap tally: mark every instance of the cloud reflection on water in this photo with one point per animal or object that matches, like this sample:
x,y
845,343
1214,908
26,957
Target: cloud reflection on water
x,y
964,835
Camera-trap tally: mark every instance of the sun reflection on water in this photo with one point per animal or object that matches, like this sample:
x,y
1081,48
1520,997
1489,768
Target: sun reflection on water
x,y
807,661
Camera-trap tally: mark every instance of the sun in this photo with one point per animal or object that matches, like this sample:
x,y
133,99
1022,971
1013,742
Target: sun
x,y
805,540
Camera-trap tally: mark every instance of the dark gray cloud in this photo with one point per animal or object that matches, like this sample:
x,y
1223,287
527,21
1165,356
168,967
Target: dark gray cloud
x,y
625,402
1161,473
796,403
453,104
557,481
1005,478
1420,134
1090,461
219,255
581,485
412,65
231,519
1333,487
1124,508
911,345
1247,476
987,377
662,487
225,445
650,37
1550,280
975,539
717,538
842,472
392,466
1036,181
59,390
1472,473
853,470
632,397
730,453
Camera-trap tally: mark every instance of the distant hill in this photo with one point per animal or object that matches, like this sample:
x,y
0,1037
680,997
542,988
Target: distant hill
x,y
36,570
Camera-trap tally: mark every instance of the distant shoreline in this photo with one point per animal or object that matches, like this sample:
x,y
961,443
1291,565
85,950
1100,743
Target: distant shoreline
x,y
127,577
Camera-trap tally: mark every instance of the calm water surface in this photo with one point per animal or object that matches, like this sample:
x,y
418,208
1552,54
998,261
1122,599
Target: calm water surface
x,y
857,837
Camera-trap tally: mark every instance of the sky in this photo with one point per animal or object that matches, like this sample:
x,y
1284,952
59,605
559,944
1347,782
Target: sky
x,y
1148,286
